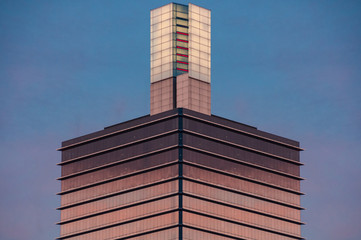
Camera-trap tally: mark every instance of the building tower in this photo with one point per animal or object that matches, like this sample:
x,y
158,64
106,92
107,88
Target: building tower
x,y
180,172
180,58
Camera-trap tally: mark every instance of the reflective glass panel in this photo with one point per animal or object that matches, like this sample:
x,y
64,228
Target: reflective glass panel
x,y
119,185
182,37
119,200
169,234
132,228
120,216
240,200
241,216
181,8
243,154
246,186
191,234
181,15
181,58
181,22
228,228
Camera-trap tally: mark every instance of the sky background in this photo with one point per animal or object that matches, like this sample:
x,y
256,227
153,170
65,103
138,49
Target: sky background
x,y
71,67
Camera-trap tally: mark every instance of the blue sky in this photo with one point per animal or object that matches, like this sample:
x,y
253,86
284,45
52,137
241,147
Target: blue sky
x,y
71,67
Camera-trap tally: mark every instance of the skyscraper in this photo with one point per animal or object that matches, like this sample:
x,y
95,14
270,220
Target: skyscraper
x,y
180,172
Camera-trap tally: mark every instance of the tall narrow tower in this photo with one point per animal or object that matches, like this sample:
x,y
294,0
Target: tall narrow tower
x,y
180,172
180,58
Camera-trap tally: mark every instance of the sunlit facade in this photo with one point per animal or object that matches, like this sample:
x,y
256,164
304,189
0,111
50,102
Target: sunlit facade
x,y
180,58
180,173
180,42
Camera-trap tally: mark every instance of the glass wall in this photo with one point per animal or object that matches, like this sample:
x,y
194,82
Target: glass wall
x,y
169,234
229,228
161,43
119,216
241,139
115,140
119,185
120,200
126,152
132,228
191,234
123,169
248,187
242,170
200,43
180,42
239,215
240,200
251,156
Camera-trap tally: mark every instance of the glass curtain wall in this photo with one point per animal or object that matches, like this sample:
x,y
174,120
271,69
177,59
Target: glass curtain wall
x,y
180,42
200,43
169,41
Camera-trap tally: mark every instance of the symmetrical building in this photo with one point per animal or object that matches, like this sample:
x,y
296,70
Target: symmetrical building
x,y
180,172
180,58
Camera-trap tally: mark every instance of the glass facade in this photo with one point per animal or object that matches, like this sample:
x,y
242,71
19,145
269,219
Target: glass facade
x,y
242,185
119,200
229,228
180,42
180,173
239,215
120,216
129,229
199,43
119,185
161,50
181,177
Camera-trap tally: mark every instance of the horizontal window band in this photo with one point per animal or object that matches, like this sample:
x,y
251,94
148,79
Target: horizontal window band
x,y
243,208
244,193
243,147
164,181
139,172
178,54
179,25
119,146
119,131
182,33
182,48
133,204
181,69
180,40
182,62
244,163
244,224
64,177
184,19
117,224
244,132
119,162
243,178
212,232
175,115
100,197
149,232
184,225
118,177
